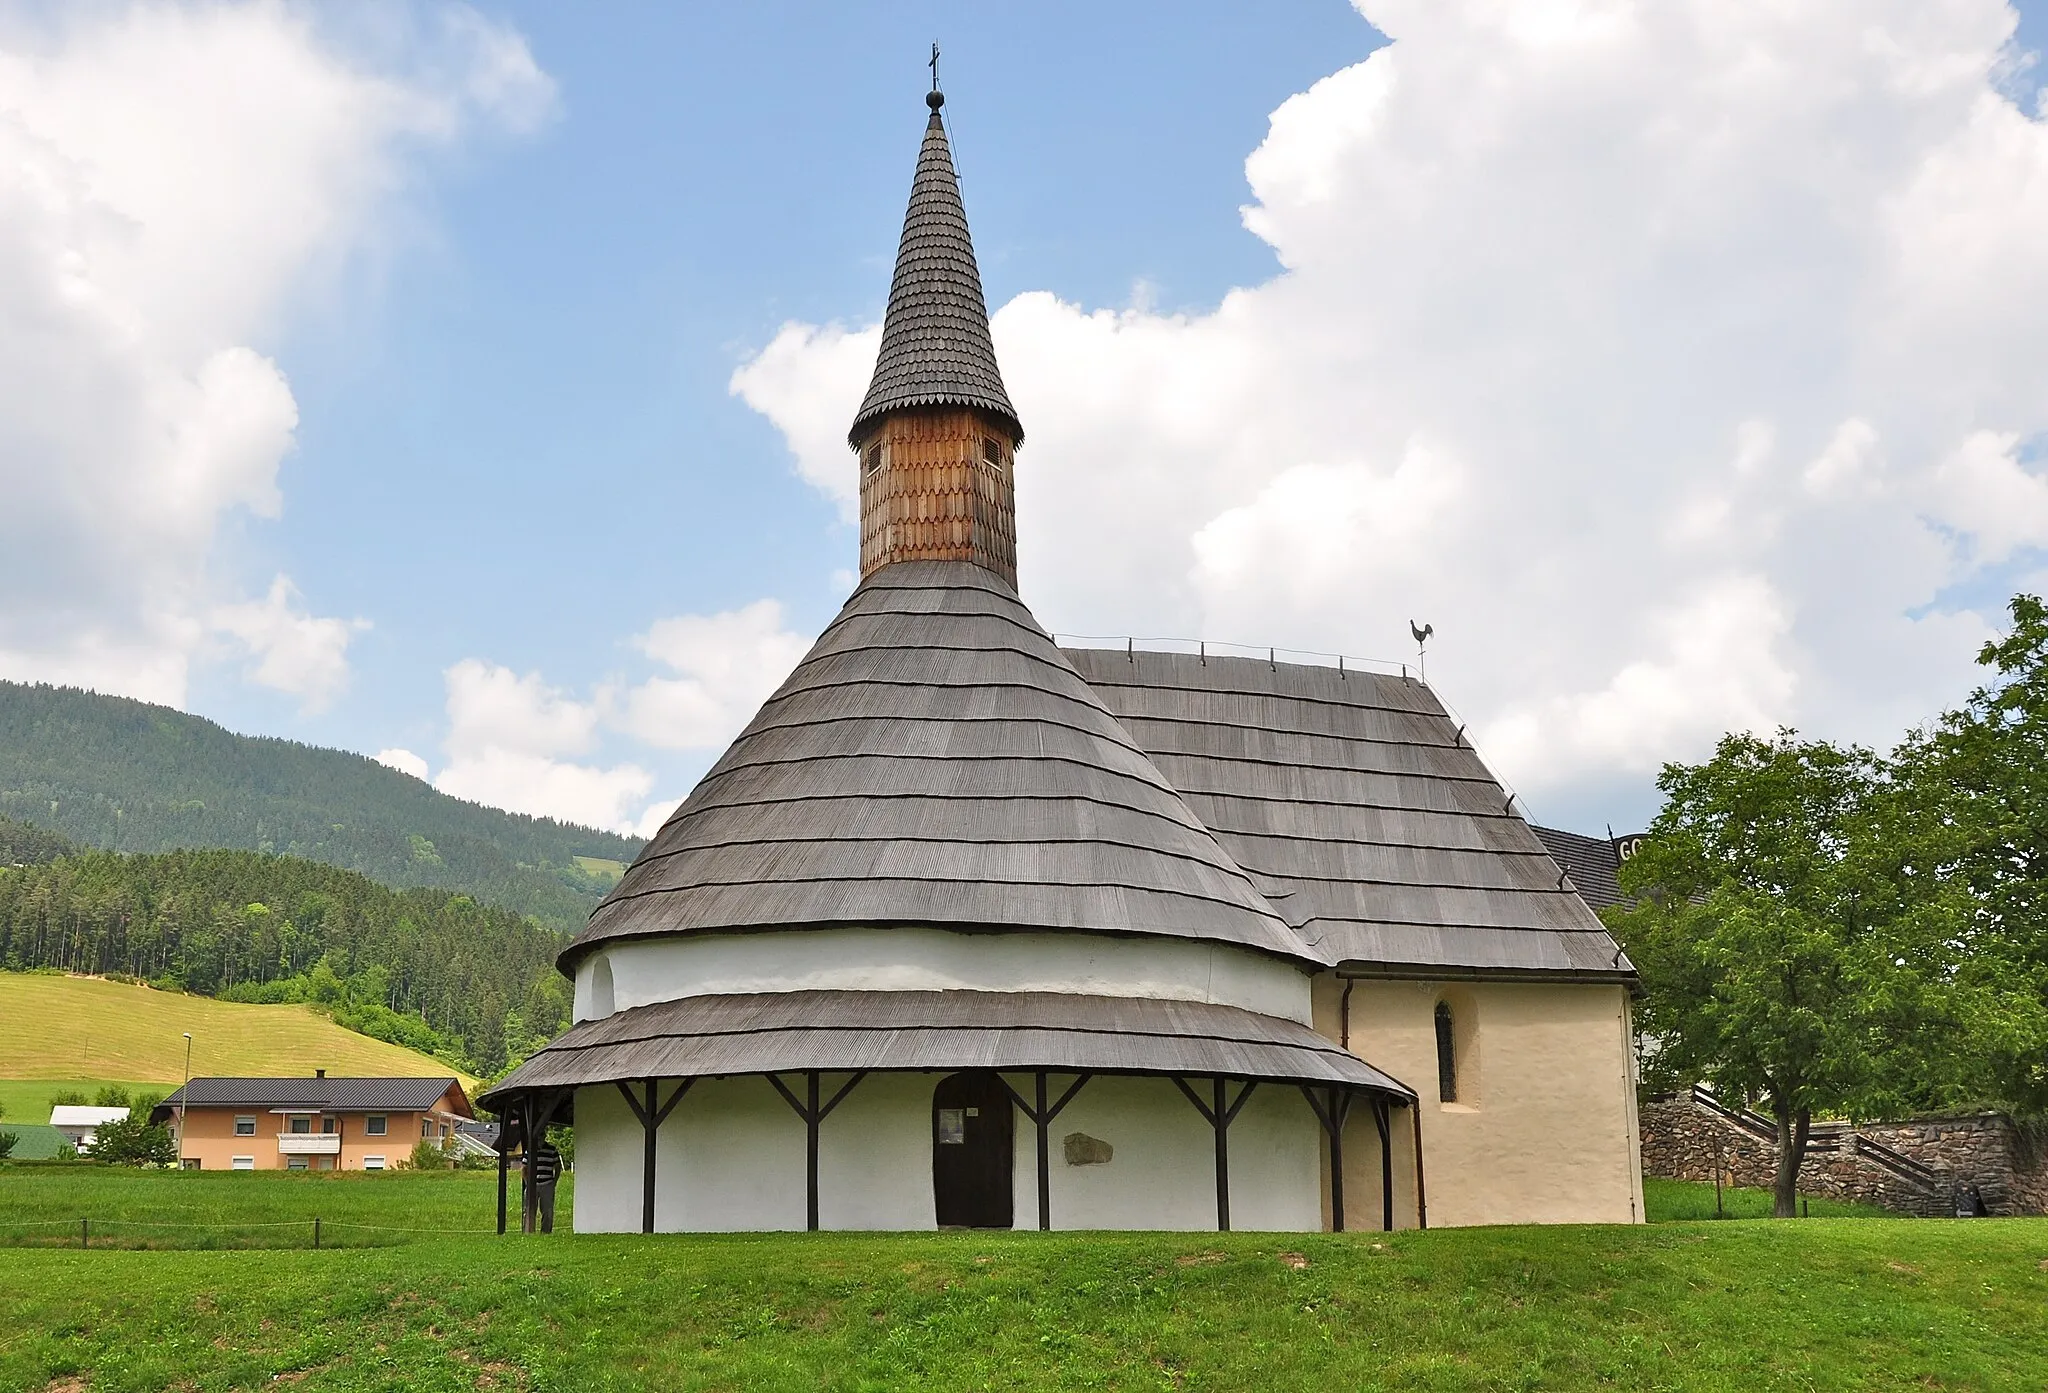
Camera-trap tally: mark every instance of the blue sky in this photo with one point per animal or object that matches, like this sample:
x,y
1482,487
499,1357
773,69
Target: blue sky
x,y
517,437
1675,359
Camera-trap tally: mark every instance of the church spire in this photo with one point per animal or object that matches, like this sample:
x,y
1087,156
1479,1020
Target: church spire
x,y
936,431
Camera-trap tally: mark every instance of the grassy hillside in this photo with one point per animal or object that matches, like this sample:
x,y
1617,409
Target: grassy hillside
x,y
429,969
128,776
1830,1304
81,1027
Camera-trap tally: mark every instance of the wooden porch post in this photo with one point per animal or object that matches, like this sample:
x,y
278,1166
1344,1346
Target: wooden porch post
x,y
1042,1117
651,1117
650,1129
811,1121
1421,1195
1222,1160
1380,1121
1042,1114
504,1127
1219,1116
813,1115
1340,1108
529,1195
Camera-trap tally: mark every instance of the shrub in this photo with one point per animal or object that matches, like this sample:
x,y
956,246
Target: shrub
x,y
67,1098
8,1140
427,1155
111,1095
134,1141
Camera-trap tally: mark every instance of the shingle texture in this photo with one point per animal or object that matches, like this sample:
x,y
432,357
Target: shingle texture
x,y
848,1030
1594,864
338,1094
936,349
1358,808
934,760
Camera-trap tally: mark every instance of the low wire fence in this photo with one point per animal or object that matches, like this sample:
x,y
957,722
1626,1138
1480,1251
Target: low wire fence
x,y
89,1233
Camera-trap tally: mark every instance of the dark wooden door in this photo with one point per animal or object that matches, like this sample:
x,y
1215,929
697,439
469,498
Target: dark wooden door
x,y
972,1151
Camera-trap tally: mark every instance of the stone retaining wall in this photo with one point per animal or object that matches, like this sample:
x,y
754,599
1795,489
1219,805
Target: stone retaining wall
x,y
2005,1166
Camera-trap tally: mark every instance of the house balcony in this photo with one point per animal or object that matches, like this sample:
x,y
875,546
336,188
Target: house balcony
x,y
309,1144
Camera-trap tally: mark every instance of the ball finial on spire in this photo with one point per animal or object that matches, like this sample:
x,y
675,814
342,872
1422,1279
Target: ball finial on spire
x,y
935,99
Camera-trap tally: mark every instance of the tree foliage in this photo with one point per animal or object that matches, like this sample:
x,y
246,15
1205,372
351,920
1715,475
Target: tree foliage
x,y
23,844
127,776
1770,969
134,1141
1972,806
1822,931
429,969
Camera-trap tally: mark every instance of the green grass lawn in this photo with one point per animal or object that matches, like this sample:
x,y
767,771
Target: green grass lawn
x,y
1668,1201
1751,1306
41,1206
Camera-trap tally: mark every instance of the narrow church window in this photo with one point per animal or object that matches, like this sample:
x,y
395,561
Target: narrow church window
x,y
874,460
1446,1055
991,449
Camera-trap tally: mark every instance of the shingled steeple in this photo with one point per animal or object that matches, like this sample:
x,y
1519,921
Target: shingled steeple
x,y
936,432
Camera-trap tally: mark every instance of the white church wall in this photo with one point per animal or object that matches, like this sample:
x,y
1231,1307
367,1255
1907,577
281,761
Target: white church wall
x,y
1162,1169
916,959
731,1158
875,1156
608,1163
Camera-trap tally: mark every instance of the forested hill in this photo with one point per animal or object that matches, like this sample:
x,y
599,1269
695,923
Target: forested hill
x,y
23,845
429,969
127,776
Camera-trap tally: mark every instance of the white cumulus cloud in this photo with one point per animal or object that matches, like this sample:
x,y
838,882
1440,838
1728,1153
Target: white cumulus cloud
x,y
1677,359
725,665
172,180
509,736
404,761
516,742
293,651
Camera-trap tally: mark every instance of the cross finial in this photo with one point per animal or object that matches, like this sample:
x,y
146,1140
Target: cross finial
x,y
934,65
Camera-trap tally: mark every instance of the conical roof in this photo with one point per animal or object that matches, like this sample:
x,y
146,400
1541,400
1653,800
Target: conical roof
x,y
936,349
935,760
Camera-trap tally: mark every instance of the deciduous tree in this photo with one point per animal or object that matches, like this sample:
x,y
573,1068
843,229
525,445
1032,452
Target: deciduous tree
x,y
1772,967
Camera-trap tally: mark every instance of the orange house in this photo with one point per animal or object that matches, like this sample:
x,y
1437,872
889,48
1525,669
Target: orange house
x,y
313,1123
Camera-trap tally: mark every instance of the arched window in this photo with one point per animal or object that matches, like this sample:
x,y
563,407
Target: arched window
x,y
601,998
1446,1055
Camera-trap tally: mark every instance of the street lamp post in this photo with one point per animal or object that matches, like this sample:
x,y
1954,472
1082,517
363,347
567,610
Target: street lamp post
x,y
184,1100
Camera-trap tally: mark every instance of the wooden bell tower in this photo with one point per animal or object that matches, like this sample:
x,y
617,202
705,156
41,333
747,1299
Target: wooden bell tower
x,y
936,435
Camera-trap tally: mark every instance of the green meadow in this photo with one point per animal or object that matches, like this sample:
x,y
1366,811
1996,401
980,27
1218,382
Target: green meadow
x,y
229,1294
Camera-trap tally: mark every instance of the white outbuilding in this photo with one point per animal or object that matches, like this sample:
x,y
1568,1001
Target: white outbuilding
x,y
966,929
80,1124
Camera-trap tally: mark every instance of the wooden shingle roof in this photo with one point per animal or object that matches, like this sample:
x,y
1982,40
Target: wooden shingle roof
x,y
934,760
785,1032
1361,812
936,349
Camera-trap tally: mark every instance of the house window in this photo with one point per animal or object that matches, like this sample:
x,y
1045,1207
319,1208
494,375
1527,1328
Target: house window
x,y
191,1163
295,1163
245,1126
242,1163
374,1125
301,1126
426,1129
373,1163
1446,1055
327,1126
